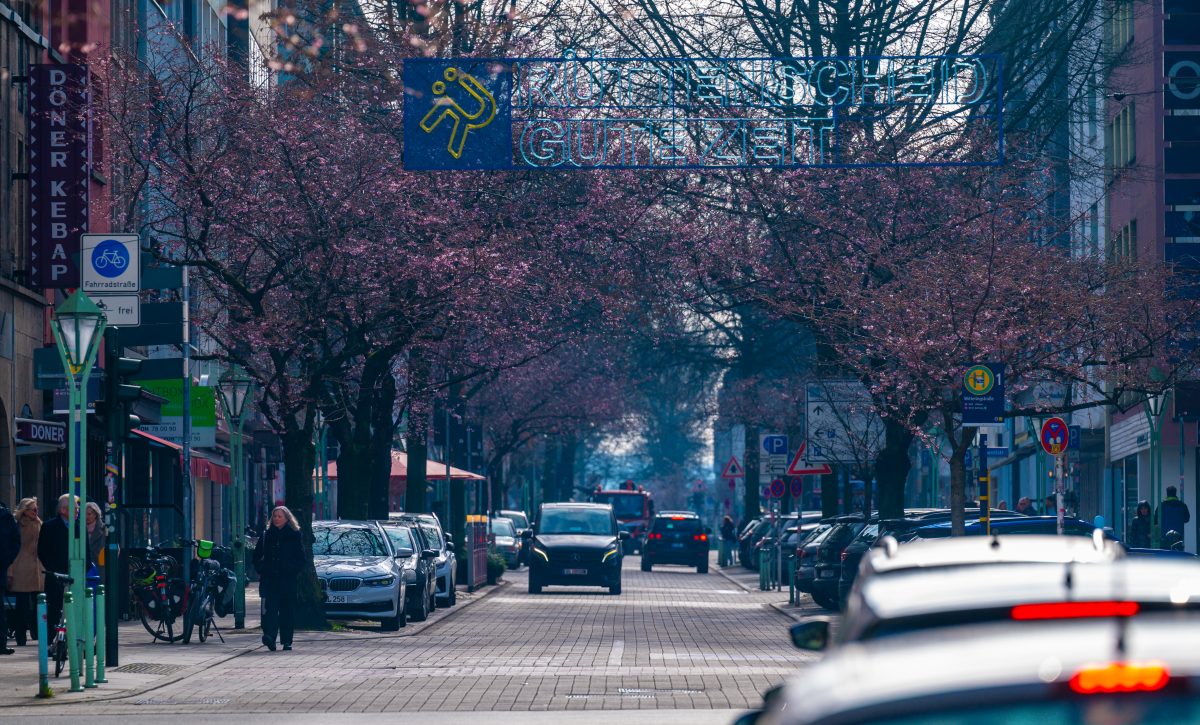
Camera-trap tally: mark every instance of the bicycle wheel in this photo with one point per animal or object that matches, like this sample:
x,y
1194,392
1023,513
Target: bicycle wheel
x,y
60,655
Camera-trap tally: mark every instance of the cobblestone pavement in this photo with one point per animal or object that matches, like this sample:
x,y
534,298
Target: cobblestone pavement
x,y
674,640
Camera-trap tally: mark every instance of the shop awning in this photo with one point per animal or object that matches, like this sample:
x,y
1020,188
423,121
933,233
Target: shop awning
x,y
159,441
210,469
434,470
202,467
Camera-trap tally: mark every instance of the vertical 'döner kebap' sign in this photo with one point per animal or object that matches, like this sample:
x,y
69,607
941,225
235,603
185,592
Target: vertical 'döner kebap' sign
x,y
58,172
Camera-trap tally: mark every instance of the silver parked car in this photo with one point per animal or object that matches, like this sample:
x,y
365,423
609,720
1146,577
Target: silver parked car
x,y
359,576
446,562
504,538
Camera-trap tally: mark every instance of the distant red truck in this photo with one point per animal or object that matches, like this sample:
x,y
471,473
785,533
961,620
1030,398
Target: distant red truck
x,y
634,508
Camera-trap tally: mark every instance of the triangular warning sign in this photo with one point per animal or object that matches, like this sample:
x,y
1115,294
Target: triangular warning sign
x,y
798,467
733,469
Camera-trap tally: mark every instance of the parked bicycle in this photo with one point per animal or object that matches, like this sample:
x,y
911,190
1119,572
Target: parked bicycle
x,y
158,594
58,643
210,594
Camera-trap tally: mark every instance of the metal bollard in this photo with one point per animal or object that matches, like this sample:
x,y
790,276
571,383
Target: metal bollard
x,y
101,635
89,639
43,650
73,653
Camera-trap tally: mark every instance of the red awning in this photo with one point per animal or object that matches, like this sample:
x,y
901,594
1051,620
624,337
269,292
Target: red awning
x,y
213,471
156,439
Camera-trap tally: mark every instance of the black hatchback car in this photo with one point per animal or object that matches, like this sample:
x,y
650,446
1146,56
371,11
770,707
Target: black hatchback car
x,y
575,544
676,537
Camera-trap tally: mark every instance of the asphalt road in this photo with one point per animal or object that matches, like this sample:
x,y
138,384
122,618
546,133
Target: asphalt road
x,y
696,645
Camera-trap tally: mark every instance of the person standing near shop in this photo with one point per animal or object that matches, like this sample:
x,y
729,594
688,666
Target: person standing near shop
x,y
279,558
10,546
25,574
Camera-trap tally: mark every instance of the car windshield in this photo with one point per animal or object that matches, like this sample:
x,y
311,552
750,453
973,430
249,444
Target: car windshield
x,y
676,523
432,535
818,535
625,505
575,521
400,536
347,541
501,527
519,519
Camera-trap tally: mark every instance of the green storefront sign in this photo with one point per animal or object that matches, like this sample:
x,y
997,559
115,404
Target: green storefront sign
x,y
204,412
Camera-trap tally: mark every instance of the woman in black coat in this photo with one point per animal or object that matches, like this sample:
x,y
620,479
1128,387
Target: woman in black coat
x,y
279,558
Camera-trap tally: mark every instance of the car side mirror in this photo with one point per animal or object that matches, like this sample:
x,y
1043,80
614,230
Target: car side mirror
x,y
811,634
429,554
527,534
623,535
449,539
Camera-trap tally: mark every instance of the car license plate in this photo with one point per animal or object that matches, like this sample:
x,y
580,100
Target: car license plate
x,y
575,572
677,546
335,599
828,574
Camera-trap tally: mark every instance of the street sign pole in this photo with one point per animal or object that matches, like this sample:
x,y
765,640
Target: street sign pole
x,y
1058,489
985,486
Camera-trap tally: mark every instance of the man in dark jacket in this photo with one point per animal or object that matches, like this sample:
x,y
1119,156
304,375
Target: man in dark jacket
x,y
10,546
54,551
1172,513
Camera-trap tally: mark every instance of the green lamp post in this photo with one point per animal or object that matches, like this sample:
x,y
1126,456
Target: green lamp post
x,y
78,327
236,388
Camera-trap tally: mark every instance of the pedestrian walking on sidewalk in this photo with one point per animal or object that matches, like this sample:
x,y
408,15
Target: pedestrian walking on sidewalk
x,y
279,558
10,546
25,574
1139,528
1172,513
728,540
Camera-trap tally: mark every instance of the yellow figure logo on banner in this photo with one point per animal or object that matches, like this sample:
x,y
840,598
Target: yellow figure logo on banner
x,y
979,380
445,107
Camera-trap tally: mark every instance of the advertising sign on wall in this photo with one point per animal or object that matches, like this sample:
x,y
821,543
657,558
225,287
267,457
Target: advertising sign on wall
x,y
203,410
58,172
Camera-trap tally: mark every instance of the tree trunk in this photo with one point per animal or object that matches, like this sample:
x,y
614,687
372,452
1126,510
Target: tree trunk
x,y
751,494
549,467
829,494
418,452
958,491
566,467
298,457
891,468
382,426
495,473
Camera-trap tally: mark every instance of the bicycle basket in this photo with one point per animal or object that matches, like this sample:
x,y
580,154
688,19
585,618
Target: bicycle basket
x,y
204,549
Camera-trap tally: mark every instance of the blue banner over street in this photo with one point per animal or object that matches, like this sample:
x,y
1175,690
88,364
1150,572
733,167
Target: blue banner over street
x,y
549,113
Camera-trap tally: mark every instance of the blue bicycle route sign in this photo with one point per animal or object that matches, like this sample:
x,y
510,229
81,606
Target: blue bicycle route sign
x,y
662,113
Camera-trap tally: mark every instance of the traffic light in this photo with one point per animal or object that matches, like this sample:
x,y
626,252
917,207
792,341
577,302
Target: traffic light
x,y
119,394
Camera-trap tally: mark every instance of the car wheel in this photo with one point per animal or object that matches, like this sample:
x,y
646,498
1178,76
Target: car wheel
x,y
421,613
825,601
391,624
646,564
615,588
702,568
431,591
535,584
451,592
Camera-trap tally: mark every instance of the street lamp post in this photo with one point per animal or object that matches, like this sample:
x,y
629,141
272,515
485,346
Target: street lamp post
x,y
235,390
78,325
1153,409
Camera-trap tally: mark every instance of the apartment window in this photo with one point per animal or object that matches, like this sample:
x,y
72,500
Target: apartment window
x,y
1120,138
1094,229
1120,25
1093,106
1124,244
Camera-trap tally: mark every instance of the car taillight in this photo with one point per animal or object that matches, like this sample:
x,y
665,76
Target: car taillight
x,y
802,553
843,556
1120,677
1073,610
700,537
653,536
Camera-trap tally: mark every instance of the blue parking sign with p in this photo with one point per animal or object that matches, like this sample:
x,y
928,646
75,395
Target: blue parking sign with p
x,y
457,114
776,445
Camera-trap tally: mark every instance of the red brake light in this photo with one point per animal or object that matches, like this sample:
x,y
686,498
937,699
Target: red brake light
x,y
1074,610
700,537
678,518
1120,677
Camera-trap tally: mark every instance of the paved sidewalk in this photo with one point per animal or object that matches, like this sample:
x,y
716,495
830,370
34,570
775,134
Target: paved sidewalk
x,y
146,664
748,580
